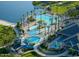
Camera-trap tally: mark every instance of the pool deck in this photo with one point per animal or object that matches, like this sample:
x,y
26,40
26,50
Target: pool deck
x,y
42,31
26,35
25,26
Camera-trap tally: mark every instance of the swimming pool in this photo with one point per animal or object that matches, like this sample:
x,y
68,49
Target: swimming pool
x,y
33,32
36,31
32,40
56,45
33,27
47,18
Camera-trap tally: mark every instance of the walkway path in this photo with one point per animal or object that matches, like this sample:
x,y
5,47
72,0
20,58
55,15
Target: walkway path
x,y
47,55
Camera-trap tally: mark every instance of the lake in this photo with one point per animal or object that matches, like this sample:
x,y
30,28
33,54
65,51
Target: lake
x,y
13,10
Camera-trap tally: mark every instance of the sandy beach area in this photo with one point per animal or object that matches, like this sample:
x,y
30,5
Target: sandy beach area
x,y
6,23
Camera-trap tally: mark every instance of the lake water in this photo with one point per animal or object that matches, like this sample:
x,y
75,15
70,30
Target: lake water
x,y
12,11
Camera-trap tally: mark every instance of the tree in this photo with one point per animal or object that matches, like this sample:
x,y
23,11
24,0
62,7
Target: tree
x,y
72,51
36,3
22,19
55,23
45,27
27,21
51,20
35,17
18,25
7,35
40,22
58,22
48,30
31,13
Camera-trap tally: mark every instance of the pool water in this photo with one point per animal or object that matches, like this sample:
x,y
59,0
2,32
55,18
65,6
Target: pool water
x,y
56,45
33,32
26,46
32,40
33,27
47,18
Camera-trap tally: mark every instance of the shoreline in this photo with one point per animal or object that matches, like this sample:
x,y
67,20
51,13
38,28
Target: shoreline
x,y
6,23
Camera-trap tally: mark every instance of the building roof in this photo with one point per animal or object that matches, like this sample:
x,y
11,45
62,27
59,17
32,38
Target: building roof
x,y
72,30
68,36
71,41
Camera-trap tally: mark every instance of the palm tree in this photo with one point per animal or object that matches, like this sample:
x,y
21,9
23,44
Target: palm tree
x,y
31,13
21,23
57,18
34,14
23,18
27,20
36,8
48,30
55,24
51,20
62,21
45,27
58,22
39,26
39,23
18,25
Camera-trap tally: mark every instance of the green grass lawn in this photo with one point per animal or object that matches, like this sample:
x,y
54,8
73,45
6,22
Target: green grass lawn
x,y
30,54
58,7
61,9
7,34
74,13
6,55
